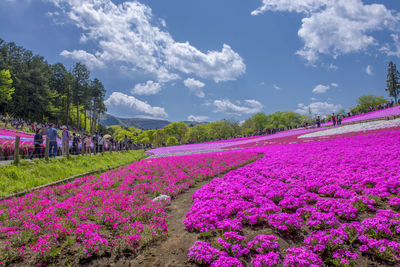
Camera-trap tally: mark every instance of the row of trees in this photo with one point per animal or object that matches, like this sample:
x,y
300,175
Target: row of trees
x,y
180,133
43,92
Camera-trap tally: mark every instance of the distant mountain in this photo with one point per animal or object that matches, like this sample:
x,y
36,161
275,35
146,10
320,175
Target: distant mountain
x,y
140,123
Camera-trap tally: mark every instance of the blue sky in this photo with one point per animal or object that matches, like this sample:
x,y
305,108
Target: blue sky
x,y
209,60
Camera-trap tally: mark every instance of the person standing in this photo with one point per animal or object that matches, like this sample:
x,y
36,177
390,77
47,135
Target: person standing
x,y
75,142
333,119
37,141
66,137
126,142
95,140
339,119
52,134
318,121
101,143
87,144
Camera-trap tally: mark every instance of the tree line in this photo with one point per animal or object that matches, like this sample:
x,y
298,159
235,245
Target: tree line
x,y
33,89
180,133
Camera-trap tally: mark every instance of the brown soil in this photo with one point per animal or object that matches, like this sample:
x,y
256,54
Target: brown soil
x,y
173,251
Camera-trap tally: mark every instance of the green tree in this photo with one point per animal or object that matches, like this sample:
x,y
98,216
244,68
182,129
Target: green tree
x,y
260,121
366,101
6,89
114,129
159,137
392,82
248,126
178,130
150,135
121,135
172,141
95,102
220,130
81,82
62,81
198,133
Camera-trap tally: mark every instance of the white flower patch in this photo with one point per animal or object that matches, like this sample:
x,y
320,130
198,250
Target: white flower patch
x,y
366,126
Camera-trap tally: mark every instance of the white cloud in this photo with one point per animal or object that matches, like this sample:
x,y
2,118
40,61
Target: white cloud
x,y
305,6
335,27
148,88
395,51
221,66
128,106
249,106
195,86
313,99
318,108
368,70
82,56
320,89
334,85
127,35
197,118
333,67
276,87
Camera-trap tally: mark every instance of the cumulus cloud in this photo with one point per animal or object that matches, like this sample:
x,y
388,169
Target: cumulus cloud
x,y
318,108
335,27
320,89
249,106
334,85
368,70
195,86
221,66
128,35
148,88
82,56
197,118
128,106
276,87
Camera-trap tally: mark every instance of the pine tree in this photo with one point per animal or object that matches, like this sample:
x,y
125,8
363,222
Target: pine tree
x,y
392,82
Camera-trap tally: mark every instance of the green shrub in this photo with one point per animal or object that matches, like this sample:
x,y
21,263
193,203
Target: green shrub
x,y
172,141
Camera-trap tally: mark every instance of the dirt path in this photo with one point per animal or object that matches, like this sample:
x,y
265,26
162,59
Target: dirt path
x,y
173,251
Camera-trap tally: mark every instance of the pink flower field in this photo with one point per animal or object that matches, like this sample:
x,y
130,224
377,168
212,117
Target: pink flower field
x,y
332,202
7,143
102,216
317,201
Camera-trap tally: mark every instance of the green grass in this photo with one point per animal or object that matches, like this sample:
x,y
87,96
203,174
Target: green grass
x,y
39,172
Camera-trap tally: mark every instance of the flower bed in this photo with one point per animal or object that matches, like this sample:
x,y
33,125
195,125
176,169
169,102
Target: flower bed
x,y
106,215
7,143
332,202
229,144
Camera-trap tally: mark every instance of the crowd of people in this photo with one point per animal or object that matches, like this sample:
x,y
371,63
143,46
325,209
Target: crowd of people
x,y
79,144
72,141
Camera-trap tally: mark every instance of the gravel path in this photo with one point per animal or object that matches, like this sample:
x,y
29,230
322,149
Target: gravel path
x,y
366,126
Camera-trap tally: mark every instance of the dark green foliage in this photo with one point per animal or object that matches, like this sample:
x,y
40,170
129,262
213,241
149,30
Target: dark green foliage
x,y
44,92
392,82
